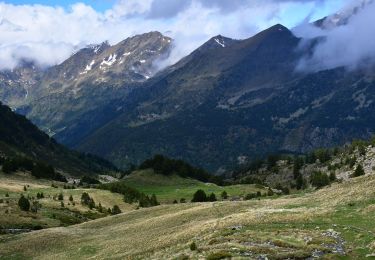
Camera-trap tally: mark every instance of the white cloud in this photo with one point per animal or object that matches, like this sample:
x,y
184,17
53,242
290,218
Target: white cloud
x,y
49,35
349,44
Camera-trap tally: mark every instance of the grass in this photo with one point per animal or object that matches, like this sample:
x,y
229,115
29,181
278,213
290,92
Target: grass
x,y
51,213
287,227
170,188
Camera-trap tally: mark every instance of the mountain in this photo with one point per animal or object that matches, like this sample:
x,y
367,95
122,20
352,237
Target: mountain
x,y
19,137
220,105
90,82
198,108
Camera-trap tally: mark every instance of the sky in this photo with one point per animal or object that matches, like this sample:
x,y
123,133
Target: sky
x,y
49,31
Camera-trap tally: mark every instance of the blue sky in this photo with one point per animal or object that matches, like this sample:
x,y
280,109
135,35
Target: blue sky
x,y
99,5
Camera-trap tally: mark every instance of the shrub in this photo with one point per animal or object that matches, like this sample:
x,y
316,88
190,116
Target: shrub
x,y
24,203
199,196
358,171
270,192
116,210
250,196
35,206
182,200
300,182
100,208
175,202
71,198
89,180
224,195
319,179
332,176
193,246
62,204
60,196
212,197
219,255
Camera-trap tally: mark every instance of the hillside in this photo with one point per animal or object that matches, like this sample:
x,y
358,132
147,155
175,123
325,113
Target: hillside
x,y
219,106
170,188
19,137
333,222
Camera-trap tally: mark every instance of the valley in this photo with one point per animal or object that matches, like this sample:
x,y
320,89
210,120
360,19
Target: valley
x,y
333,221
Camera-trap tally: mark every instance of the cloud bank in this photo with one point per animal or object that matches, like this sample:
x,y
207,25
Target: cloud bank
x,y
48,35
347,39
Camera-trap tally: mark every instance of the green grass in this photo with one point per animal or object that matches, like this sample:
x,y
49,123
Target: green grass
x,y
51,213
170,188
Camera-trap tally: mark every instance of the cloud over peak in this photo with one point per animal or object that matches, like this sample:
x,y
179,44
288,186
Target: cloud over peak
x,y
48,35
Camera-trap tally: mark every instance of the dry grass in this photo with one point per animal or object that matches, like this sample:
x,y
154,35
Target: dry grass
x,y
279,228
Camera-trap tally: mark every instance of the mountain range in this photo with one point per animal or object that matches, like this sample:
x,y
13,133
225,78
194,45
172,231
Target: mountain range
x,y
227,102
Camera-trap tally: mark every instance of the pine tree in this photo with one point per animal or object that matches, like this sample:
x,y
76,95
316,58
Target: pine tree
x,y
24,203
224,195
70,198
358,171
60,196
199,196
116,210
212,197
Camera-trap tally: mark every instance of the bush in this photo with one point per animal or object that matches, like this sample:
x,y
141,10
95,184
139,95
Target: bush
x,y
88,180
24,203
319,179
250,196
35,206
116,210
332,177
71,198
212,197
60,196
224,195
182,200
219,255
358,171
193,246
199,196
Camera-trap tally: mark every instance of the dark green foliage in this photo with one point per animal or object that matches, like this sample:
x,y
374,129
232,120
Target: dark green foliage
x,y
35,206
175,202
224,195
100,208
323,155
358,171
87,200
199,196
270,192
60,196
166,166
319,179
42,170
251,196
297,165
146,201
332,177
62,204
212,197
88,180
24,188
9,166
300,182
131,195
182,200
40,195
115,210
70,198
24,203
193,246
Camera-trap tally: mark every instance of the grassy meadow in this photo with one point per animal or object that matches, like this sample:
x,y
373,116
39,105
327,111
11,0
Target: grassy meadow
x,y
170,188
336,222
